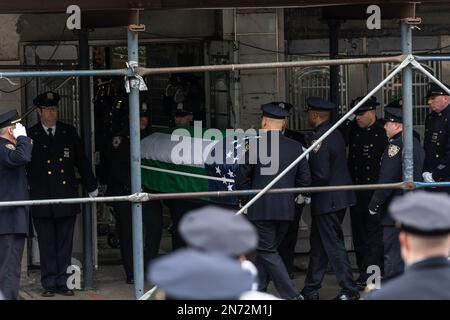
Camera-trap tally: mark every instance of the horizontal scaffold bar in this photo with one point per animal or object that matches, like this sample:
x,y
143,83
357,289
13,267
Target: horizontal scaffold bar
x,y
63,73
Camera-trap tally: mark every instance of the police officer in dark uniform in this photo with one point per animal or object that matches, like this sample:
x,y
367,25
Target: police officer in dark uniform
x,y
391,172
287,246
328,168
273,213
57,151
366,141
15,153
424,223
437,136
117,165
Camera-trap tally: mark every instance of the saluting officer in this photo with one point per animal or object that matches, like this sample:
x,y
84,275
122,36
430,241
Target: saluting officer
x,y
273,213
424,223
15,153
366,141
57,152
328,168
118,179
391,171
437,135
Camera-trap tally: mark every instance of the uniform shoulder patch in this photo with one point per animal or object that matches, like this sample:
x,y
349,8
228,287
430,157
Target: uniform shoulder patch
x,y
316,148
393,150
117,141
10,146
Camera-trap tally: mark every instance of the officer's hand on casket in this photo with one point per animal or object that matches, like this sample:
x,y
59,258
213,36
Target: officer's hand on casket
x,y
428,177
19,130
94,193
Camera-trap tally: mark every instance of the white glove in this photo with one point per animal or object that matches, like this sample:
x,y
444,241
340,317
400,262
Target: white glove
x,y
428,177
19,130
94,193
300,199
372,212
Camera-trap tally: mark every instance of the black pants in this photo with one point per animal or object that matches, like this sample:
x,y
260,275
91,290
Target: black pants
x,y
268,262
287,246
55,239
327,245
11,250
152,228
393,262
367,235
178,208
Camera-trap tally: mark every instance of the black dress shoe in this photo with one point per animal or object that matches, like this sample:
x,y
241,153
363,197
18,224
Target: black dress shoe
x,y
66,292
347,296
48,293
311,296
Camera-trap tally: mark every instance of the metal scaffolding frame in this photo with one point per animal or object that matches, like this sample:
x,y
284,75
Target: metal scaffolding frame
x,y
406,62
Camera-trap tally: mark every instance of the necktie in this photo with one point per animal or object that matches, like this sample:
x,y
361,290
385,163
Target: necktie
x,y
50,134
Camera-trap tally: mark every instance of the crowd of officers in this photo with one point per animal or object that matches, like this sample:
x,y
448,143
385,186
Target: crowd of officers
x,y
40,162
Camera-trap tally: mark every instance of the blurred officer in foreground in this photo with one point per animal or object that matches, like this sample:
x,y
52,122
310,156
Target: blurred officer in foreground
x,y
118,179
57,152
15,153
190,274
287,245
273,213
366,141
437,135
424,222
328,168
214,229
391,172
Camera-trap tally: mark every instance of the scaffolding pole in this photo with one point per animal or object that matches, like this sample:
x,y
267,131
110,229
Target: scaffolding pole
x,y
64,73
135,156
408,161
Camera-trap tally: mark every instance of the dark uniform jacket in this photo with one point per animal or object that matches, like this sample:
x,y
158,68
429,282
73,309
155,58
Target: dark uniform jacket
x,y
329,168
275,206
437,145
52,170
427,279
13,184
366,146
391,172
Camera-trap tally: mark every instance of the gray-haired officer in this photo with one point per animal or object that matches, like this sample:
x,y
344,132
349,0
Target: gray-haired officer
x,y
272,213
57,152
190,274
424,222
391,172
437,136
15,154
366,141
328,168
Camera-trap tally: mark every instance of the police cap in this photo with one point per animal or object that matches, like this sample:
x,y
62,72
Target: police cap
x,y
435,90
393,112
47,99
191,274
220,230
7,118
422,213
275,110
318,104
370,104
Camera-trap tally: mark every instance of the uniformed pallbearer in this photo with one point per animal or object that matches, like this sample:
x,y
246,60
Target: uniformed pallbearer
x,y
424,222
328,164
437,136
391,172
273,213
366,142
15,153
57,152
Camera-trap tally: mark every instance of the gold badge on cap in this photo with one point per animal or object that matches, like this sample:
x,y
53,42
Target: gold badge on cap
x,y
49,95
116,141
316,148
10,146
393,150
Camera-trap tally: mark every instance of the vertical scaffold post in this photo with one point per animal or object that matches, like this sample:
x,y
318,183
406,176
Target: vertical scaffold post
x,y
135,154
408,163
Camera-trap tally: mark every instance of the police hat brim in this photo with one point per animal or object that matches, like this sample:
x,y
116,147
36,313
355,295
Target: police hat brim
x,y
9,118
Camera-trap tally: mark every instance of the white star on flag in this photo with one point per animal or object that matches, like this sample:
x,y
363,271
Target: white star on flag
x,y
230,187
230,173
229,154
218,171
224,180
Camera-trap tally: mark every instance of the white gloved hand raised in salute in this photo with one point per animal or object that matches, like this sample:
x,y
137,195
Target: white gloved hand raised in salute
x,y
19,130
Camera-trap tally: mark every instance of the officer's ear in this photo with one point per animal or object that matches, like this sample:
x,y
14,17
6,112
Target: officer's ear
x,y
39,112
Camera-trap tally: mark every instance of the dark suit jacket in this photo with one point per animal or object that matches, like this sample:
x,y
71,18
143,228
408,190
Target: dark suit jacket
x,y
14,185
52,170
328,163
425,280
250,176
